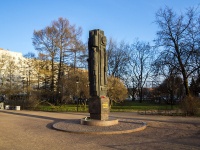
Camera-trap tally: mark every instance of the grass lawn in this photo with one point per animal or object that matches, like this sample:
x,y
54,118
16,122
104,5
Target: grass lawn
x,y
136,106
126,106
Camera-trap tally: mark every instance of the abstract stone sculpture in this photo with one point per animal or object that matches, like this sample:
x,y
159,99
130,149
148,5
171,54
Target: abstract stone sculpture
x,y
97,64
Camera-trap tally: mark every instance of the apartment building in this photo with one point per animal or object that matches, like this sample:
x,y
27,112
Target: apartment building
x,y
15,70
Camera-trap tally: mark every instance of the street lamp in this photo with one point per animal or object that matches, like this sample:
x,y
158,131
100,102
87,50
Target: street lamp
x,y
24,95
77,81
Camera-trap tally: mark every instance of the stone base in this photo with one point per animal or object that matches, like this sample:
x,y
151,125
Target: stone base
x,y
99,108
91,122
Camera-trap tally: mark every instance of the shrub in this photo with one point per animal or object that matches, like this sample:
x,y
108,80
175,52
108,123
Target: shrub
x,y
190,105
31,101
116,89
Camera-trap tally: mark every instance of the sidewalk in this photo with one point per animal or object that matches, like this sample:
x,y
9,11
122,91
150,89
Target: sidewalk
x,y
25,130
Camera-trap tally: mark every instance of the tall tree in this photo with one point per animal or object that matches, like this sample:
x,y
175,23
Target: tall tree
x,y
179,36
67,40
56,41
141,57
44,42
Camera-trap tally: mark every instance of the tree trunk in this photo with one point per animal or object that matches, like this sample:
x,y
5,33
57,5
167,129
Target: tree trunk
x,y
141,95
52,74
183,71
185,82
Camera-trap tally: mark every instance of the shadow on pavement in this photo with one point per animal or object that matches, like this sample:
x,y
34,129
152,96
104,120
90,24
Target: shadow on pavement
x,y
49,125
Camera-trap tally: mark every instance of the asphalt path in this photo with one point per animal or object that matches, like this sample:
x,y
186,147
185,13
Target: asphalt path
x,y
31,130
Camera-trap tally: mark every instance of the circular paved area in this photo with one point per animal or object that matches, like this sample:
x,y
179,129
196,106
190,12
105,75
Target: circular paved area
x,y
124,126
25,130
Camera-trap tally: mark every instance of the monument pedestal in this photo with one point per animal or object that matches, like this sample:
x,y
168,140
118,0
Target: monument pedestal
x,y
99,113
99,108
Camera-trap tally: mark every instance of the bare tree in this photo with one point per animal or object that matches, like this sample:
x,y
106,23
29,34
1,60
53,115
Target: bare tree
x,y
178,37
56,42
117,58
44,42
141,57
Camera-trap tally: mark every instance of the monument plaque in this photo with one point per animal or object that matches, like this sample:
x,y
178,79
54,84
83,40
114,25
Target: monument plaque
x,y
97,66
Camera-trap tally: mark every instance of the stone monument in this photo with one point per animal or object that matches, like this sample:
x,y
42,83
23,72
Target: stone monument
x,y
99,102
97,69
97,65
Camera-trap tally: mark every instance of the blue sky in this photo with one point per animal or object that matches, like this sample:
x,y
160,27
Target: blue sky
x,y
120,19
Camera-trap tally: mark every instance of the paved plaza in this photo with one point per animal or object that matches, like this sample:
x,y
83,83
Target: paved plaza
x,y
31,130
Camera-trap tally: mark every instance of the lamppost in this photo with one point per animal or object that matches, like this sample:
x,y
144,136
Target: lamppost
x,y
24,95
86,96
77,81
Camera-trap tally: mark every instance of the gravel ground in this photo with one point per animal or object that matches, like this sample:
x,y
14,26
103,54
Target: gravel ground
x,y
31,130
